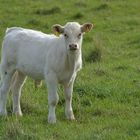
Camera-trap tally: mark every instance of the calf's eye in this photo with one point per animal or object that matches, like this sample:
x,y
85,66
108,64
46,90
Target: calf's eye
x,y
65,35
79,35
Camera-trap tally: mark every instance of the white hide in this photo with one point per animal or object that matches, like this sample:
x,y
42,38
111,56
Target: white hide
x,y
41,56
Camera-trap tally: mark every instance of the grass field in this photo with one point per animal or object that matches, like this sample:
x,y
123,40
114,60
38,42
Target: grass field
x,y
106,98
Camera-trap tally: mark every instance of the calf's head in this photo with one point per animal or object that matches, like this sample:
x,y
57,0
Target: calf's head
x,y
72,33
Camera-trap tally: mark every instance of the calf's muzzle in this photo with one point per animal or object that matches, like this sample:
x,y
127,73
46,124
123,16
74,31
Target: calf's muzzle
x,y
73,47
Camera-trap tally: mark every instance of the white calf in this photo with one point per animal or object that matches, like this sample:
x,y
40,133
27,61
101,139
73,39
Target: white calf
x,y
55,59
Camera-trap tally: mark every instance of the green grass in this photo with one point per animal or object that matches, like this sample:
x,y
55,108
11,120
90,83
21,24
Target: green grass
x,y
106,98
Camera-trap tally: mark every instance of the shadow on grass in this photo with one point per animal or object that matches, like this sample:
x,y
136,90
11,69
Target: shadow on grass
x,y
134,43
53,10
33,22
121,67
98,113
80,4
78,15
104,6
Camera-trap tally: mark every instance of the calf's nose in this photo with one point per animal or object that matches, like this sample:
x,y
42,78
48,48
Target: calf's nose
x,y
73,47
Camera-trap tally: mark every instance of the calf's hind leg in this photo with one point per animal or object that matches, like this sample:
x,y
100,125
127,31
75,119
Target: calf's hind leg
x,y
16,86
4,88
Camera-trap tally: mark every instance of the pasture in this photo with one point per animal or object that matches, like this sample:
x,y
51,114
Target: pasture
x,y
106,97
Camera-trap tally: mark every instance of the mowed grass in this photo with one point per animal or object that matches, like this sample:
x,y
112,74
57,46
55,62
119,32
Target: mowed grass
x,y
106,98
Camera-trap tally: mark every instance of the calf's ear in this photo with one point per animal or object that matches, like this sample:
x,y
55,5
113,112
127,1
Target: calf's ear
x,y
86,27
57,29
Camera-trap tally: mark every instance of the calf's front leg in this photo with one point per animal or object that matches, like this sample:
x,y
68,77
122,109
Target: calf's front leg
x,y
52,96
68,88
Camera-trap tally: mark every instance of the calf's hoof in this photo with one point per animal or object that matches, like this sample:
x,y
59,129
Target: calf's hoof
x,y
3,113
70,116
51,120
18,114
